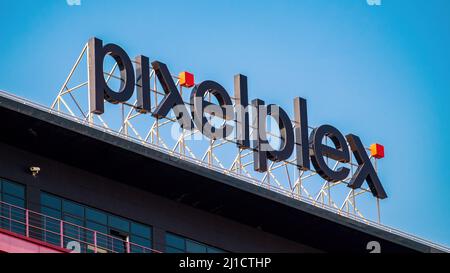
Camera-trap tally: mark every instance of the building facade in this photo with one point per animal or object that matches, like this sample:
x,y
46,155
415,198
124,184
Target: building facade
x,y
69,187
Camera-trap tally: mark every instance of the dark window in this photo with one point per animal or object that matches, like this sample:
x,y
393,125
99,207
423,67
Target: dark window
x,y
73,209
194,247
176,241
96,227
11,211
73,220
214,250
96,216
51,212
112,230
180,244
140,240
140,230
174,250
50,201
16,201
13,189
119,223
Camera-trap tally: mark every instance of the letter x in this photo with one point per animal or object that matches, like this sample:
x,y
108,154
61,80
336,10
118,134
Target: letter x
x,y
365,169
172,100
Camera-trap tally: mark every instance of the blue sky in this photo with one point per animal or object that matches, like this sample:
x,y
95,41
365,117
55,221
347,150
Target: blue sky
x,y
381,72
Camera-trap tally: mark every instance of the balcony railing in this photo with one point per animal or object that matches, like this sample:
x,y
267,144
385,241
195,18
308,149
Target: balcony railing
x,y
63,234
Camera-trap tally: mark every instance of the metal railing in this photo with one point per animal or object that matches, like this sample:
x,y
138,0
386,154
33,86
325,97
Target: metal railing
x,y
247,179
63,234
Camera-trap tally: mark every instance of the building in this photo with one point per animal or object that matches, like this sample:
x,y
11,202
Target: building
x,y
65,185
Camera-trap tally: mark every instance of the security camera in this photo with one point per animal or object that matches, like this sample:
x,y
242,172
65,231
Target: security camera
x,y
35,170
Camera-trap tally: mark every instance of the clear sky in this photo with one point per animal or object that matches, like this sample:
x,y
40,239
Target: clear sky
x,y
381,72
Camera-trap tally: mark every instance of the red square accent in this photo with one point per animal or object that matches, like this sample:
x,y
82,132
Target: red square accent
x,y
377,150
186,79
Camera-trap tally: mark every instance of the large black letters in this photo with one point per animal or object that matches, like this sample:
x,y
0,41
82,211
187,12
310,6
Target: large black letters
x,y
263,149
365,170
310,149
223,110
172,100
340,153
98,88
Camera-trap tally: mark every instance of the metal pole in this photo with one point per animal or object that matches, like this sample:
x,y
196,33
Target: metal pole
x,y
128,245
299,186
90,114
10,219
124,122
210,152
182,147
378,199
240,160
95,242
27,224
378,210
61,233
156,105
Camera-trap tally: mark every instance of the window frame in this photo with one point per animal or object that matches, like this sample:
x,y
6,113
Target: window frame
x,y
85,220
185,243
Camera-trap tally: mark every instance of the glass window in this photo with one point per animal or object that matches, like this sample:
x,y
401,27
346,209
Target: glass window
x,y
51,225
18,213
96,216
14,200
175,241
173,250
214,250
193,247
14,189
180,244
140,230
51,212
96,227
12,215
73,208
138,249
140,241
50,201
119,223
73,220
103,241
108,226
12,193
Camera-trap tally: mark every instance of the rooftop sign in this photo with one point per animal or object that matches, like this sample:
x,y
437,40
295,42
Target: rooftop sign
x,y
295,139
